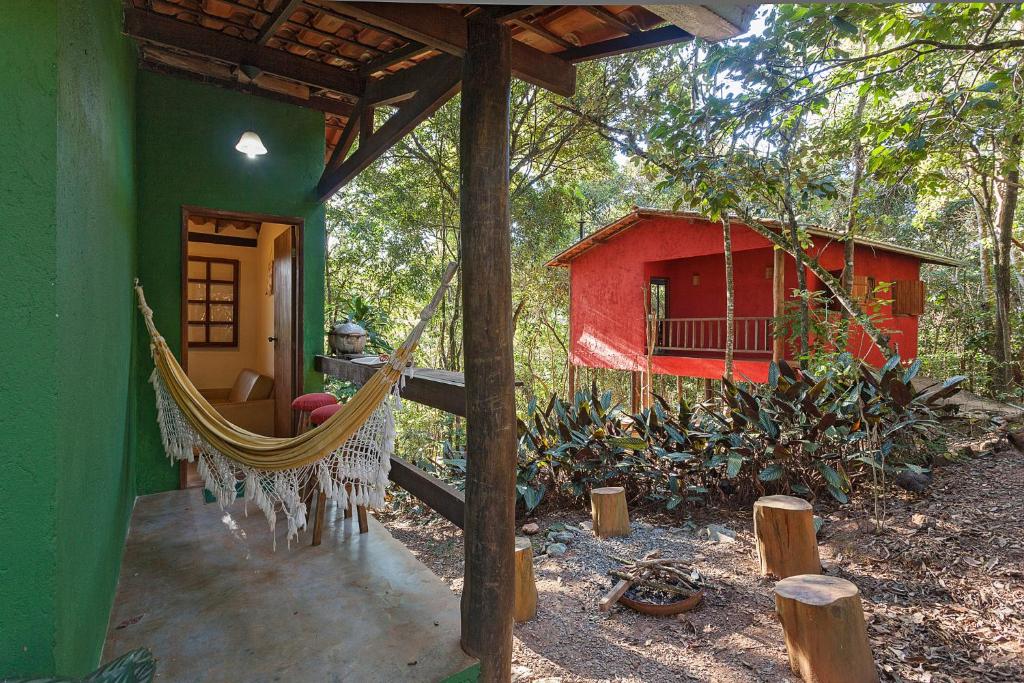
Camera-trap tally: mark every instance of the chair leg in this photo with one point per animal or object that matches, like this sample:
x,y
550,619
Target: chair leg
x,y
319,518
348,510
363,524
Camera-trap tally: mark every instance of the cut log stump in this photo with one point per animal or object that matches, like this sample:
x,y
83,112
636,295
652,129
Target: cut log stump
x,y
526,588
609,512
823,622
786,542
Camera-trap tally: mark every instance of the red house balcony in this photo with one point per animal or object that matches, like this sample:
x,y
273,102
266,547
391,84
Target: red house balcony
x,y
752,336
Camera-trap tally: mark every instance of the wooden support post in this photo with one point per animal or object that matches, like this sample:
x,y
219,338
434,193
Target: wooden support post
x,y
778,301
786,542
679,391
635,381
609,512
709,389
823,621
491,439
526,587
572,381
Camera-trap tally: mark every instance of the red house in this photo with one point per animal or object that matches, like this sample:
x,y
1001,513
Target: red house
x,y
670,266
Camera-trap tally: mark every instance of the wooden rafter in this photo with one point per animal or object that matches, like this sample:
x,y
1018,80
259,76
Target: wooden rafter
x,y
666,35
609,19
276,20
348,136
445,30
162,30
542,32
328,105
435,90
402,54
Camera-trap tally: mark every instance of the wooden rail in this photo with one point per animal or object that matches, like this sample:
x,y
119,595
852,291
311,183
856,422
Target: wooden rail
x,y
750,335
439,389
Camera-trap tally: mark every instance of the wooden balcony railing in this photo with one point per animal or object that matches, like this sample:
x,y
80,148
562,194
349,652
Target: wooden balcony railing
x,y
435,388
707,335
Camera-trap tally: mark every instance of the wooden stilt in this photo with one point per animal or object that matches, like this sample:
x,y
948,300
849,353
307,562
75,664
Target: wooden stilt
x,y
823,621
679,391
319,517
488,593
709,389
634,391
526,587
572,381
778,300
609,512
786,542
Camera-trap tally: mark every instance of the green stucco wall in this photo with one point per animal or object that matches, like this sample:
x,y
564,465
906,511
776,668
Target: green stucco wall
x,y
186,132
96,227
28,215
67,203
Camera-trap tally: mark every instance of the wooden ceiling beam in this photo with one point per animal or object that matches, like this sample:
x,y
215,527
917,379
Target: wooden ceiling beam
x,y
445,30
428,99
155,28
276,20
666,35
403,85
328,105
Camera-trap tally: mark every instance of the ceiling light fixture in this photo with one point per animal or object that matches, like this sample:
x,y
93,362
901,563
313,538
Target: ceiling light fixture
x,y
250,145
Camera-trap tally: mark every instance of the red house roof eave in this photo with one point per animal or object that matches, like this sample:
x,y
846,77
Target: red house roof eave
x,y
563,259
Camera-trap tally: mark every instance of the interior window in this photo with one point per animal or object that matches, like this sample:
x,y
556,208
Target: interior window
x,y
212,302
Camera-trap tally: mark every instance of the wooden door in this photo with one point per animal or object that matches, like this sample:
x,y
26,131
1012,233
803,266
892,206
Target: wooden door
x,y
285,380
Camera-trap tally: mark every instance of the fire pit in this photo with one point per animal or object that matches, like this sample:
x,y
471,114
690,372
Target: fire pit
x,y
655,586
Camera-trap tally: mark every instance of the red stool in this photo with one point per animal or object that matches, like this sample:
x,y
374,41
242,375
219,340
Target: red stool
x,y
323,413
317,418
307,403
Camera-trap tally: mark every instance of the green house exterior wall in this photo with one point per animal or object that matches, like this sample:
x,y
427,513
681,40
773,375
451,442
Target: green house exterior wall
x,y
186,133
103,158
68,212
28,215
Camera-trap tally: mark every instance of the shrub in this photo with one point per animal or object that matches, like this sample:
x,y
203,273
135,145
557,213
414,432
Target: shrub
x,y
799,433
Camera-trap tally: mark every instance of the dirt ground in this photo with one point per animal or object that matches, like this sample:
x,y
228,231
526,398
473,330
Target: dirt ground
x,y
942,587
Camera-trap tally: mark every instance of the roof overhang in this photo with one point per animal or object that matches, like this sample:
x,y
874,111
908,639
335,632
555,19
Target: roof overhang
x,y
639,214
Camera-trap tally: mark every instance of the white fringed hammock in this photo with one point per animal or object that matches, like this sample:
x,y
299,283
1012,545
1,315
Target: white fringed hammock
x,y
347,458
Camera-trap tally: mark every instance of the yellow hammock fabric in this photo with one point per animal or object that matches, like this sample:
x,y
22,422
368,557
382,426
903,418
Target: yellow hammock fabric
x,y
276,470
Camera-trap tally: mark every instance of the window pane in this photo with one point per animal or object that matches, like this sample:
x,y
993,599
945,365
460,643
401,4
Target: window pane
x,y
197,269
196,312
197,291
222,292
222,313
196,333
222,333
222,271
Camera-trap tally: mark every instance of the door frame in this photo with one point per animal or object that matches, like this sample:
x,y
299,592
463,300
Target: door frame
x,y
298,298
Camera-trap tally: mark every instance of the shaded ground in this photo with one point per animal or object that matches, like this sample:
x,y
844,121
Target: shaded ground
x,y
942,587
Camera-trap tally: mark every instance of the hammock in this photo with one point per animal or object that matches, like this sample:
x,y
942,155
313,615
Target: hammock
x,y
347,458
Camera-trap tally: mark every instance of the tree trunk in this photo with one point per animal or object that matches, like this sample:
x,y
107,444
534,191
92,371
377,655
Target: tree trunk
x,y
849,247
487,596
1008,192
730,298
880,339
786,542
608,511
801,283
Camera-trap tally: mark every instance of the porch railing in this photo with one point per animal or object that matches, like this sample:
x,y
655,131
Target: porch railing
x,y
752,335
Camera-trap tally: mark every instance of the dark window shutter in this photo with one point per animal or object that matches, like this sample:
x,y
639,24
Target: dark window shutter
x,y
908,297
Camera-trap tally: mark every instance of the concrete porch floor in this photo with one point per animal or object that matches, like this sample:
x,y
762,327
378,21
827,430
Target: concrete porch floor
x,y
205,592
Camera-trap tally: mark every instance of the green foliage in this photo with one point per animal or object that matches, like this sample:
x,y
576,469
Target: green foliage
x,y
799,433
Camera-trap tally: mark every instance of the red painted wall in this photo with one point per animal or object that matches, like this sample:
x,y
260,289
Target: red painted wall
x,y
609,285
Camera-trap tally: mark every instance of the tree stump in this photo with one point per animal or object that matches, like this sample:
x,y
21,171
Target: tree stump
x,y
786,542
609,512
526,589
823,622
